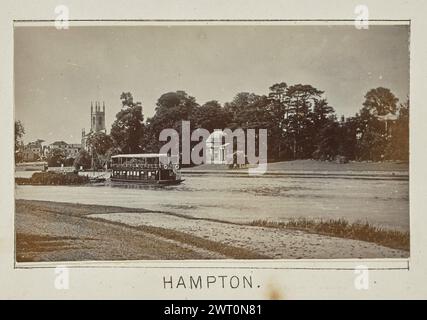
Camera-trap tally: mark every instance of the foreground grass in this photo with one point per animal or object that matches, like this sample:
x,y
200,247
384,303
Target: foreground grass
x,y
343,229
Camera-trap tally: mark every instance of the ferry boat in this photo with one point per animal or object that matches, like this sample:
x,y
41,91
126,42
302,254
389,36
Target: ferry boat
x,y
148,168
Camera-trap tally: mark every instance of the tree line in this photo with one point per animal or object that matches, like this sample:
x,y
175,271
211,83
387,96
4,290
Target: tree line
x,y
300,121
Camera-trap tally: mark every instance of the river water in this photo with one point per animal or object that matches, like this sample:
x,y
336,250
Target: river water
x,y
242,199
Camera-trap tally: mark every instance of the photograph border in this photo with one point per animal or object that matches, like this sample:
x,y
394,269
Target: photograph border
x,y
343,264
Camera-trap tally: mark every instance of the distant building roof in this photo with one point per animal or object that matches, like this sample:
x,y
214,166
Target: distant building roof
x,y
141,155
57,143
388,117
34,145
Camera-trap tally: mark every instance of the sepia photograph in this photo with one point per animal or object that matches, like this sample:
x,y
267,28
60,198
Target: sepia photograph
x,y
211,141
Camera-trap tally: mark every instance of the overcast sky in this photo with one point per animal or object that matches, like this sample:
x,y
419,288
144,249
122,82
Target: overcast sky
x,y
59,72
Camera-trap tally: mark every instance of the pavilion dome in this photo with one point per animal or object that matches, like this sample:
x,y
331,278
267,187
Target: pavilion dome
x,y
216,137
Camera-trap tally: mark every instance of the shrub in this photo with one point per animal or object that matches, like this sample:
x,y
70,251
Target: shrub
x,y
53,178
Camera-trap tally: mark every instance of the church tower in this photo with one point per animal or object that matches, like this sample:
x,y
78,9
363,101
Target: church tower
x,y
97,122
97,117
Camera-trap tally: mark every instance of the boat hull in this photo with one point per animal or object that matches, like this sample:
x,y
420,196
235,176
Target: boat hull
x,y
150,182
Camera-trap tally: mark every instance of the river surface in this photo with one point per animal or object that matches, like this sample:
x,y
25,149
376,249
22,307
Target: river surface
x,y
242,199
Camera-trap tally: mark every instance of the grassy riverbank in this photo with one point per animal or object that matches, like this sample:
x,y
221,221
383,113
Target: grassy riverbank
x,y
53,178
341,228
309,165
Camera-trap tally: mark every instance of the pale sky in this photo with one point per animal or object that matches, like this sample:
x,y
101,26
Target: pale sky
x,y
59,72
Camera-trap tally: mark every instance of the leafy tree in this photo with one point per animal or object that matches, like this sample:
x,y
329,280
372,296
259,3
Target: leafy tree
x,y
292,115
299,125
324,130
322,112
56,157
19,133
211,116
252,111
69,162
238,108
99,145
380,101
180,103
373,140
278,92
128,128
399,144
328,141
348,137
172,108
279,112
83,159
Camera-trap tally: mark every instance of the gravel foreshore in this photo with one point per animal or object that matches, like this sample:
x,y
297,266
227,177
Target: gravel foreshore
x,y
53,231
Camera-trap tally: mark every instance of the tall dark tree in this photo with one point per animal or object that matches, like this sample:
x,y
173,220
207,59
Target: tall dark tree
x,y
211,116
373,138
324,130
83,160
172,108
380,101
100,144
19,133
328,141
238,108
254,114
301,100
348,137
278,91
127,130
279,112
399,132
322,112
252,111
56,157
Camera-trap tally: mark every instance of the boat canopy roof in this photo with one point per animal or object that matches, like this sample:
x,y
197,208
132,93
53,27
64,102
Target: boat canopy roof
x,y
23,164
141,155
